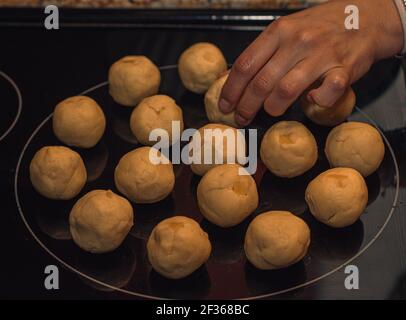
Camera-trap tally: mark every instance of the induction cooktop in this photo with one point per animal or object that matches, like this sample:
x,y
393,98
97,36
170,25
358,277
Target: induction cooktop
x,y
39,68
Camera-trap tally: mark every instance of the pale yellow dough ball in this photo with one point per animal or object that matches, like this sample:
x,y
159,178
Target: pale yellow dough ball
x,y
79,121
224,135
337,197
288,149
141,180
177,247
355,145
211,100
276,239
156,112
132,79
100,221
200,65
57,172
333,115
225,196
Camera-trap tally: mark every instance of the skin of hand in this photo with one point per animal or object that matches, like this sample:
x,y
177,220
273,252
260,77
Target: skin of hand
x,y
312,45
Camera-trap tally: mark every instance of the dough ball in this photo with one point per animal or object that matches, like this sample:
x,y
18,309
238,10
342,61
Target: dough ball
x,y
333,115
220,133
155,112
133,78
100,221
200,65
276,239
211,100
355,145
337,197
288,149
225,197
79,121
57,172
142,181
177,247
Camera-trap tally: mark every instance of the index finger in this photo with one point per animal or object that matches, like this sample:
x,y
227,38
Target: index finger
x,y
247,66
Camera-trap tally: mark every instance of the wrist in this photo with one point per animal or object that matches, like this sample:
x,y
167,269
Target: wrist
x,y
401,7
390,27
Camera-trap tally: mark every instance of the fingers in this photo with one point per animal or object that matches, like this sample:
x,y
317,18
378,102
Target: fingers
x,y
335,82
223,73
291,86
246,67
260,87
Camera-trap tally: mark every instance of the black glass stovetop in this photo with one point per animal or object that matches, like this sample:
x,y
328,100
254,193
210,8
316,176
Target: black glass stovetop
x,y
38,68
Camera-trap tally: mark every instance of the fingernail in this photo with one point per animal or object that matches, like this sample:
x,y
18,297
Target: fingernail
x,y
241,120
310,98
224,106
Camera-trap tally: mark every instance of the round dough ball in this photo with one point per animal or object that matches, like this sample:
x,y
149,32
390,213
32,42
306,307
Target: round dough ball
x,y
177,247
276,239
288,149
142,181
156,112
355,145
200,65
337,197
333,115
225,197
132,79
220,133
57,172
79,121
211,100
100,221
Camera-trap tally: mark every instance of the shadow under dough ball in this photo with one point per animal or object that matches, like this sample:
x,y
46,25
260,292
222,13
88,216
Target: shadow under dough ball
x,y
355,145
142,181
330,116
79,121
156,112
288,149
200,65
133,78
226,196
276,239
100,221
337,197
177,247
57,172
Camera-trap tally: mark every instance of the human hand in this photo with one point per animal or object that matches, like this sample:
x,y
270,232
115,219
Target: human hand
x,y
297,50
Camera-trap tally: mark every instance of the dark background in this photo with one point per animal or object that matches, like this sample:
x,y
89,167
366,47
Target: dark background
x,y
49,65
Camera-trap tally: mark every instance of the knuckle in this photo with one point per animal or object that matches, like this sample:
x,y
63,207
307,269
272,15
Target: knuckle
x,y
242,65
286,90
282,25
306,37
339,83
261,85
297,76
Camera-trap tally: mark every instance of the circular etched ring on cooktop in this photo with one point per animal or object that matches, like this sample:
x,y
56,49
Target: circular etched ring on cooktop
x,y
11,104
227,274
